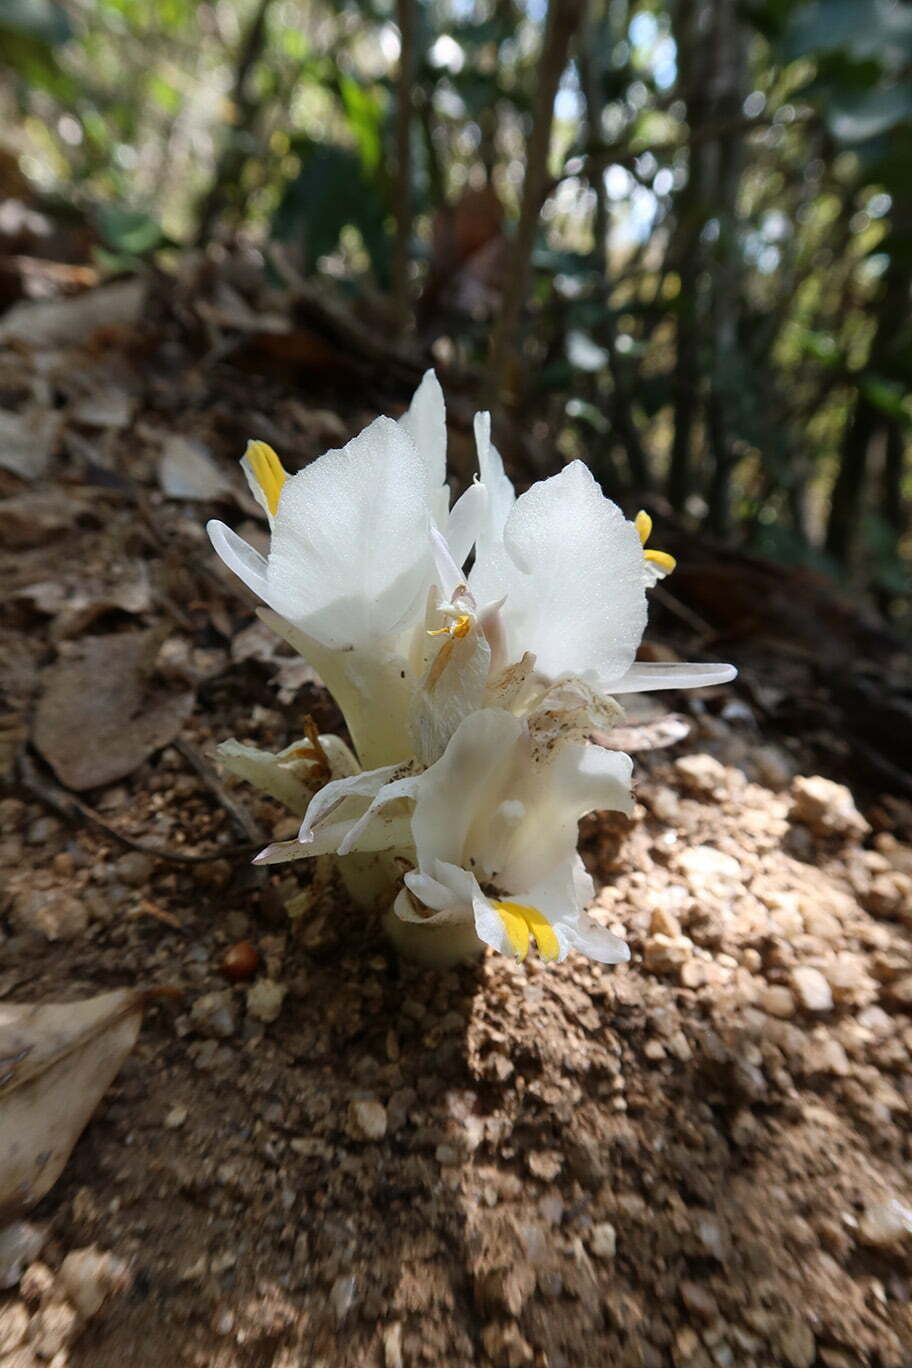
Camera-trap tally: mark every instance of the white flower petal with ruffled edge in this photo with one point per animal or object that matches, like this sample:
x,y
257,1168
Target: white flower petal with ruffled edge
x,y
570,568
350,558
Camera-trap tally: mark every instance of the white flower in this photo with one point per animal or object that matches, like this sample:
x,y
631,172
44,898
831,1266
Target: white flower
x,y
351,562
493,827
470,696
571,573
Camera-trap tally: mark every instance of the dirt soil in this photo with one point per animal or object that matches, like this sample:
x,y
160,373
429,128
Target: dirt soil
x,y
700,1159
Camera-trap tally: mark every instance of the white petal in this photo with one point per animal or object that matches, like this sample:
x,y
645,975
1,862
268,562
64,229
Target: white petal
x,y
464,523
466,781
283,776
452,687
500,496
597,942
377,829
350,560
645,676
571,568
330,798
246,563
449,573
577,780
425,424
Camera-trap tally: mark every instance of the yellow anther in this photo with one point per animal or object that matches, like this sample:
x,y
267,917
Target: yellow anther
x,y
643,524
662,559
460,627
520,922
266,469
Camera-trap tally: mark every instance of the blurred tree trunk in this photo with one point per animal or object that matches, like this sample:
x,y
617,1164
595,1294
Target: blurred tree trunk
x,y
729,90
563,19
684,254
623,423
712,74
402,188
868,421
230,164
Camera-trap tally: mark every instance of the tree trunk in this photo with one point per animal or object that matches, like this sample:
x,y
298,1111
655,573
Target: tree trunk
x,y
563,20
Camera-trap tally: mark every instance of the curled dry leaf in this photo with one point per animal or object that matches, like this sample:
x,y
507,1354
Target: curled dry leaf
x,y
56,1063
104,709
645,736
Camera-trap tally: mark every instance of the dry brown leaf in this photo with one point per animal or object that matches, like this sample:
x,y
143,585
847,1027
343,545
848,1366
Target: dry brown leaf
x,y
28,440
58,322
56,1063
103,710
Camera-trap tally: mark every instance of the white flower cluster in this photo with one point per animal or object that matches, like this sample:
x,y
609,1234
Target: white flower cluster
x,y
469,696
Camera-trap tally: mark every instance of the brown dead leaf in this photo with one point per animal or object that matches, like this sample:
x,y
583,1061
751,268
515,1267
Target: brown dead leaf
x,y
58,322
56,1063
35,519
103,710
28,440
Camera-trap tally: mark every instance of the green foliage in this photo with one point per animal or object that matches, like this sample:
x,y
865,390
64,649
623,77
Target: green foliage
x,y
332,191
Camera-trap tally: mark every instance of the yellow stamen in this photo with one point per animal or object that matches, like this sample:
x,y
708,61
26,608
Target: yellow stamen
x,y
459,628
662,559
519,921
643,524
266,469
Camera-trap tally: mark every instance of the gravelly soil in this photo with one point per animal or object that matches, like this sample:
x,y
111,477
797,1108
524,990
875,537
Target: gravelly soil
x,y
701,1159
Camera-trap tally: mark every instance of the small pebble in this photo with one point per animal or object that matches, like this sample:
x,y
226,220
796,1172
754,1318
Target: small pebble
x,y
176,1118
342,1297
603,1240
814,993
88,1276
264,1000
366,1119
885,1223
215,1014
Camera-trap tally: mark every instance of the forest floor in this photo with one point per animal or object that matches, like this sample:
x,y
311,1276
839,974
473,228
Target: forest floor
x,y
701,1159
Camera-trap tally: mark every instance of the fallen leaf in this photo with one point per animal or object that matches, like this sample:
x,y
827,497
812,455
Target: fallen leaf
x,y
103,710
645,736
187,471
56,1063
105,408
58,322
34,519
28,440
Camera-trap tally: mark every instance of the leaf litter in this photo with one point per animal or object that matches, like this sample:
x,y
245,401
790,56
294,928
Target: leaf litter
x,y
678,1163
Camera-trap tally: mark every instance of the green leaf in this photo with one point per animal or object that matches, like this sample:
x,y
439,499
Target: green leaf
x,y
364,110
331,192
128,232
